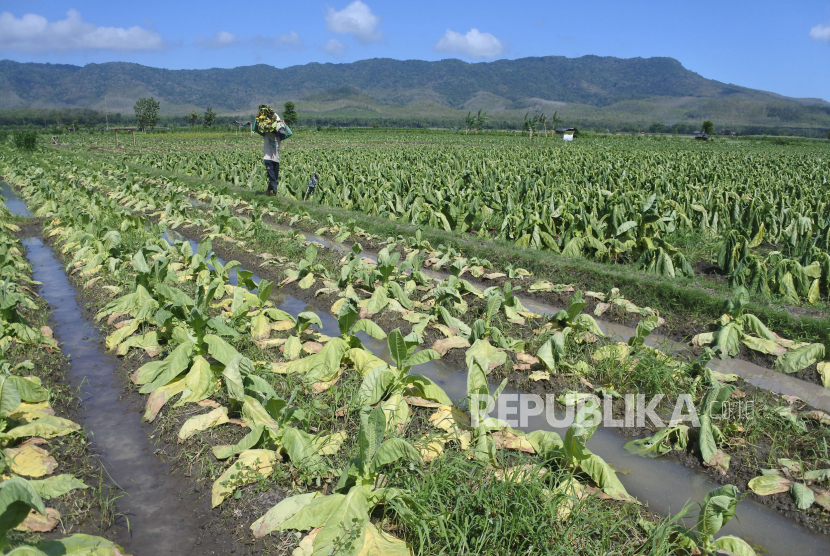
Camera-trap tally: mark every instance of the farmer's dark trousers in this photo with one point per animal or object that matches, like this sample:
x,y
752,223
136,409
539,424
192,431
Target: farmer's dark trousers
x,y
273,169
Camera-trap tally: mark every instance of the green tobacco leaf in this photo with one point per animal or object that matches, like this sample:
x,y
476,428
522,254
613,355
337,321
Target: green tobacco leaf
x,y
9,396
803,496
378,301
398,349
345,523
165,371
325,364
254,413
81,545
248,441
313,514
233,374
734,545
399,294
221,350
423,387
661,442
758,328
56,486
148,342
25,551
708,446
370,328
378,543
823,369
764,346
485,355
800,358
571,398
393,450
485,450
421,357
714,513
604,476
727,340
17,497
813,294
302,451
547,444
370,435
552,351
122,333
375,385
292,347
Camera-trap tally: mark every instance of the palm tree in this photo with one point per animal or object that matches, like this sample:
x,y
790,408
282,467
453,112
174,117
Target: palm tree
x,y
480,119
530,124
469,121
553,121
543,120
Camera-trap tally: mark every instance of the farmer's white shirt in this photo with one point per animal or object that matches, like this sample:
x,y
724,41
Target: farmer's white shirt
x,y
270,147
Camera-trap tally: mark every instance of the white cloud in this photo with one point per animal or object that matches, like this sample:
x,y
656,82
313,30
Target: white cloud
x,y
334,47
821,32
474,44
224,39
220,40
286,40
356,19
33,33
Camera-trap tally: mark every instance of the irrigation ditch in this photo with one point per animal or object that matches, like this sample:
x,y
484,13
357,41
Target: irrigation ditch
x,y
157,513
162,508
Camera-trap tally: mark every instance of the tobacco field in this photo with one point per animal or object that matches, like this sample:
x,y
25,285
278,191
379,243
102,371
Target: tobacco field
x,y
313,367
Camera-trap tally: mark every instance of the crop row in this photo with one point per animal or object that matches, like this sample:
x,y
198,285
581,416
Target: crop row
x,y
766,215
180,304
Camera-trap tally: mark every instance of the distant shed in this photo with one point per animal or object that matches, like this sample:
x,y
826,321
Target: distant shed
x,y
567,133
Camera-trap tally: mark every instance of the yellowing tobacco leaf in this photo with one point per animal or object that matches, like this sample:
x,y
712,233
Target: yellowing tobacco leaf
x,y
203,422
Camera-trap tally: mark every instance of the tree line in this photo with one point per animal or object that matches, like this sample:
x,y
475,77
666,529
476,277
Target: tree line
x,y
75,119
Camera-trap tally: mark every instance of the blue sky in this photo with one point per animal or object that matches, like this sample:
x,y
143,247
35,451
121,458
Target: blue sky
x,y
777,46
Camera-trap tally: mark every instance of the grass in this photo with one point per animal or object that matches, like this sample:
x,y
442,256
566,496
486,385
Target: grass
x,y
468,510
775,436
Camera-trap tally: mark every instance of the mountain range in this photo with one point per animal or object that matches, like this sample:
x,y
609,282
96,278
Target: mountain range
x,y
590,90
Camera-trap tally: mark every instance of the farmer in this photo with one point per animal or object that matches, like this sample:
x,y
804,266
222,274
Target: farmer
x,y
270,147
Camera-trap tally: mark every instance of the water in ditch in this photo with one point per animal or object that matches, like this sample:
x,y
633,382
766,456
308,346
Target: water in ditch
x,y
160,517
13,202
665,484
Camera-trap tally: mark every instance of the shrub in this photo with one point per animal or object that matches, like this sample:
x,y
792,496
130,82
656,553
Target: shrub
x,y
25,139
